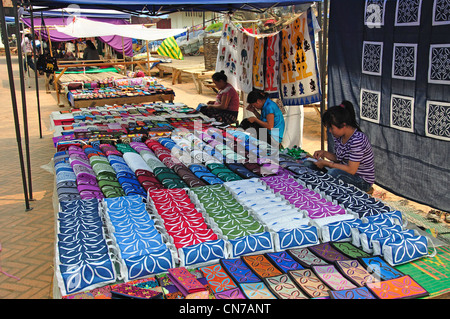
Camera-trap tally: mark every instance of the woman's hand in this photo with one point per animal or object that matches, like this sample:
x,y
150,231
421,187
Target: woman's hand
x,y
252,119
319,154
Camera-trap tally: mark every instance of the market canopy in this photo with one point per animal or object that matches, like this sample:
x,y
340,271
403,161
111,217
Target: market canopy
x,y
85,28
116,42
157,7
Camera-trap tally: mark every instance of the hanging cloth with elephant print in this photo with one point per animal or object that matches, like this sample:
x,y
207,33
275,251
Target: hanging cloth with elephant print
x,y
245,62
300,84
228,55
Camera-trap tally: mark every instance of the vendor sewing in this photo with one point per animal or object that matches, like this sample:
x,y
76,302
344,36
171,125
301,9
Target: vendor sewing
x,y
353,160
226,106
267,116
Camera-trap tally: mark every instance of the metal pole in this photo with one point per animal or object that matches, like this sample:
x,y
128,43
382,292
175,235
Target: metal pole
x,y
324,68
320,20
14,102
24,104
36,73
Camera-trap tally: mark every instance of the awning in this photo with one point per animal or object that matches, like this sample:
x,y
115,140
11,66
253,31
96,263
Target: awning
x,y
84,28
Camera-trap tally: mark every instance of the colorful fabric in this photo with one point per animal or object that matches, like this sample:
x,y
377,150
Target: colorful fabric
x,y
284,288
356,293
349,250
398,288
217,278
256,290
272,57
327,252
431,272
356,272
284,261
261,266
300,82
332,277
379,268
184,280
235,293
305,257
308,281
239,271
258,63
170,48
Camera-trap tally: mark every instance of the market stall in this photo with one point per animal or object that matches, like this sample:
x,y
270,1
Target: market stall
x,y
182,209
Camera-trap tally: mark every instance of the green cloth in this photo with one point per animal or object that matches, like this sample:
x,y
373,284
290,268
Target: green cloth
x,y
432,273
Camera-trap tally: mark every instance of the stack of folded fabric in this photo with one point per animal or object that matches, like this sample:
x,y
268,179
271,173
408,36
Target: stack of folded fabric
x,y
82,258
66,180
182,221
143,248
203,173
273,210
230,217
303,198
354,200
124,174
223,172
87,184
105,174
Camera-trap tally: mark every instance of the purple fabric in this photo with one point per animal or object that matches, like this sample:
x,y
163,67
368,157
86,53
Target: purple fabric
x,y
114,41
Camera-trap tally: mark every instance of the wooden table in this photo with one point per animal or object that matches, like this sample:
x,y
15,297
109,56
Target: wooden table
x,y
197,73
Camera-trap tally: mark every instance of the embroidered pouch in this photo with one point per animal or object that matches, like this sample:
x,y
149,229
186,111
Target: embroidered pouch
x,y
284,261
256,290
349,250
355,293
406,250
218,278
379,268
239,271
327,252
398,288
283,287
185,281
332,277
308,281
300,236
356,272
259,242
234,293
128,291
261,266
305,257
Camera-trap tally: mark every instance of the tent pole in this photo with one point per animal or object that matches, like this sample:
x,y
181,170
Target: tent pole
x,y
148,59
14,102
323,69
24,102
36,73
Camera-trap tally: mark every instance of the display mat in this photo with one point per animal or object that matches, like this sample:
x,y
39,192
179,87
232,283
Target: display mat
x,y
433,274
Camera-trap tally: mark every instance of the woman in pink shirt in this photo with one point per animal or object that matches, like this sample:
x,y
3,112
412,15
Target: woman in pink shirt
x,y
226,106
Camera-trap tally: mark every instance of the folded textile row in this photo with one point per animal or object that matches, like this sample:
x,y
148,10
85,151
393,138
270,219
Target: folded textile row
x,y
219,200
115,121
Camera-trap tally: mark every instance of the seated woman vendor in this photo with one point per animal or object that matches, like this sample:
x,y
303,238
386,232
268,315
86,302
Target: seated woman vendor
x,y
353,160
226,106
270,118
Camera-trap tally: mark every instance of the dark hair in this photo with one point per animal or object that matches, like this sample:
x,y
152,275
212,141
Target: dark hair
x,y
220,76
90,45
339,115
255,95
